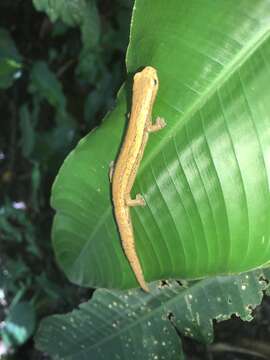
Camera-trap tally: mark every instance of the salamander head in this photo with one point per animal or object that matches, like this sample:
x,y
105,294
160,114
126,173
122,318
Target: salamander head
x,y
147,74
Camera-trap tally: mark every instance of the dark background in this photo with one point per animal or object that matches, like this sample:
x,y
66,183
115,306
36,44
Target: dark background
x,y
62,91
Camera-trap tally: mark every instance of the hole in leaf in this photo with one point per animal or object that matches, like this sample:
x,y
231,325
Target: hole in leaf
x,y
162,284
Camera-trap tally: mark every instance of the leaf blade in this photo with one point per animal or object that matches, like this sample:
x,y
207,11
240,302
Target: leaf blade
x,y
198,175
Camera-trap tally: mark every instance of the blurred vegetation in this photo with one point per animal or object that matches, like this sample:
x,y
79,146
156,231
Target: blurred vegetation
x,y
59,74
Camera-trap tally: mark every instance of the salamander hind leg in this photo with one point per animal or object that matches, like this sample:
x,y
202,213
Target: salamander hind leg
x,y
138,201
157,125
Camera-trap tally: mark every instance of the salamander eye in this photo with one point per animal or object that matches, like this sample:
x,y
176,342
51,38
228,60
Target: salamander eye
x,y
155,82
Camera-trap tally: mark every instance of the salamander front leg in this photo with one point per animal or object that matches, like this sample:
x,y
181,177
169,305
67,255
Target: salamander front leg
x,y
138,201
157,125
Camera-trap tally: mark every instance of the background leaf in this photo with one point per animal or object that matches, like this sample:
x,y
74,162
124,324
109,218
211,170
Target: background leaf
x,y
198,175
10,60
69,11
81,13
19,324
27,131
129,325
44,81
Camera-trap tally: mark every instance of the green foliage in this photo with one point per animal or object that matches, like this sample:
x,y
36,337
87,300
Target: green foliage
x,y
67,60
45,83
57,97
69,11
132,326
82,13
197,177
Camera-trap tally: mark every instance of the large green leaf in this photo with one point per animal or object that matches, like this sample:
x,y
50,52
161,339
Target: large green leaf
x,y
125,325
205,177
